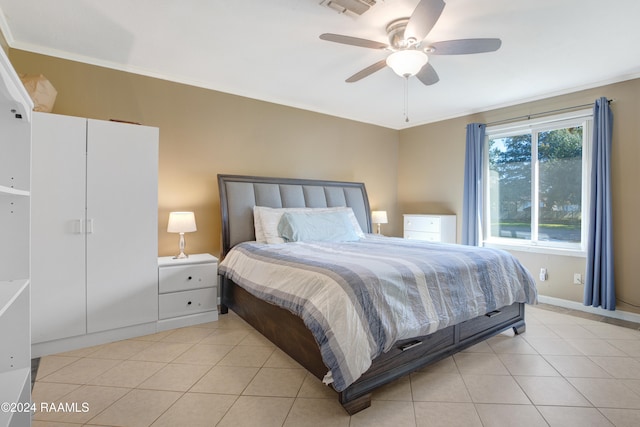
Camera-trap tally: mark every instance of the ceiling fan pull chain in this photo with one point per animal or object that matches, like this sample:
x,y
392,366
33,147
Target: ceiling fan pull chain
x,y
406,99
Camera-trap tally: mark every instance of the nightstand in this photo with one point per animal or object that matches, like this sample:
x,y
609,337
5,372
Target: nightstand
x,y
187,291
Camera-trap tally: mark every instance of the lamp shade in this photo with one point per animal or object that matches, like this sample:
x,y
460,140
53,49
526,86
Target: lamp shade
x,y
181,222
379,217
407,62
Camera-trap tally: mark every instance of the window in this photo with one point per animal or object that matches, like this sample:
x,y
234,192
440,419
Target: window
x,y
537,182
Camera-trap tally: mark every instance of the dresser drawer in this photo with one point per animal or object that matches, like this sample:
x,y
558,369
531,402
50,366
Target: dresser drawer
x,y
422,223
185,277
421,235
187,302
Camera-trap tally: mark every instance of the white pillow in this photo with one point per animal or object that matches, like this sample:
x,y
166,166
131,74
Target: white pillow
x,y
266,220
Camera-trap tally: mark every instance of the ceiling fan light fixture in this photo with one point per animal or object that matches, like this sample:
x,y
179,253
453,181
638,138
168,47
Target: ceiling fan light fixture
x,y
407,63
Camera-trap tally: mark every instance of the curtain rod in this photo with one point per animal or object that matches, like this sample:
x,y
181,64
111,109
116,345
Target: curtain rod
x,y
530,116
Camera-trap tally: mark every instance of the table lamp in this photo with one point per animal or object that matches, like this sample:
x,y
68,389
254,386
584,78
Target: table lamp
x,y
379,217
181,222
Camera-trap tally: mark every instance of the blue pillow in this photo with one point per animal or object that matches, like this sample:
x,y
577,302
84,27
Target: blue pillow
x,y
317,226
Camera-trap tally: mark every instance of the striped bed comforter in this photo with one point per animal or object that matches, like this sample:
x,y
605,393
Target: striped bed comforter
x,y
358,298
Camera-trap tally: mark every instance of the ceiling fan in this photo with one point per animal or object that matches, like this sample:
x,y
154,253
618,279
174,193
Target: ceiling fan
x,y
409,55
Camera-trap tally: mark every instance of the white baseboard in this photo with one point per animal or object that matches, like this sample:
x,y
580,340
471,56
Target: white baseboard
x,y
89,340
104,337
190,320
616,314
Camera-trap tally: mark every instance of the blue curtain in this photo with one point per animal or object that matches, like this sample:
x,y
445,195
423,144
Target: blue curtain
x,y
599,287
473,185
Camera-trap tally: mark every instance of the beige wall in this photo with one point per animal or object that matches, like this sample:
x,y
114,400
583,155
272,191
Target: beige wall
x,y
418,170
204,133
431,170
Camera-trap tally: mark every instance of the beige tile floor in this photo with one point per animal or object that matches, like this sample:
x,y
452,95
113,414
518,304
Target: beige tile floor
x,y
565,370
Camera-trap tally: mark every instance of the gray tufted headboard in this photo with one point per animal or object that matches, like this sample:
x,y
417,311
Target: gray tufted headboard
x,y
239,194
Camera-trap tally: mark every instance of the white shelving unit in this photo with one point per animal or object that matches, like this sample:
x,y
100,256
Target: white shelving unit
x,y
15,351
15,173
13,191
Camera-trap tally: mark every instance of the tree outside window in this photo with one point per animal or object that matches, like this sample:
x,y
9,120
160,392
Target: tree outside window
x,y
537,202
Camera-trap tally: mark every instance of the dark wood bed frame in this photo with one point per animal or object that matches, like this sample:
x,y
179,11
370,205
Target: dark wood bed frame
x,y
288,331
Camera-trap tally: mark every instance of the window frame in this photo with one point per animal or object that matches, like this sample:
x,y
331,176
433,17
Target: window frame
x,y
582,118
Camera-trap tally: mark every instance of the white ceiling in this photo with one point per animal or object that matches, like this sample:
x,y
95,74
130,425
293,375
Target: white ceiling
x,y
270,50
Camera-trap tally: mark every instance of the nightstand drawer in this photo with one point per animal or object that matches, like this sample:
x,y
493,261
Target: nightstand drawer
x,y
185,277
422,223
187,302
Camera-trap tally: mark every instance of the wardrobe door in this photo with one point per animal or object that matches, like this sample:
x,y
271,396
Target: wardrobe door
x,y
122,226
57,227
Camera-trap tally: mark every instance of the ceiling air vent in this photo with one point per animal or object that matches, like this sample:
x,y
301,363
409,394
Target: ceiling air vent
x,y
354,6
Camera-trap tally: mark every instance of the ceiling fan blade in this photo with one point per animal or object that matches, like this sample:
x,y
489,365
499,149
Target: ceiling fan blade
x,y
367,71
353,41
423,18
427,75
465,46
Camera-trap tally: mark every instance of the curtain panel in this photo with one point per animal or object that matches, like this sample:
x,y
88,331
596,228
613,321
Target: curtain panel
x,y
599,287
472,206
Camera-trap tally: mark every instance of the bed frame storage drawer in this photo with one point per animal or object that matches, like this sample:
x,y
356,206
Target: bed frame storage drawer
x,y
185,277
492,319
407,351
187,302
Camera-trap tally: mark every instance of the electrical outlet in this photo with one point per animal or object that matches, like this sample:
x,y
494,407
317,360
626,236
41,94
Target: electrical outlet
x,y
543,274
577,279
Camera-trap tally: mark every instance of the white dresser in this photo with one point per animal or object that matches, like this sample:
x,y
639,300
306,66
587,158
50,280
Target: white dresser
x,y
433,228
187,291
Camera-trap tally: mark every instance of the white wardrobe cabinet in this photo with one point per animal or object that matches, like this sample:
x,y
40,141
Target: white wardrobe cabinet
x,y
94,230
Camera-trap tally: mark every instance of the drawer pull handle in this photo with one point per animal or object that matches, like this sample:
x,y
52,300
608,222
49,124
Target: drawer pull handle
x,y
493,313
409,346
189,303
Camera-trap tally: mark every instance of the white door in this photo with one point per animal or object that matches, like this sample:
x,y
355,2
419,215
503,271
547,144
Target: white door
x,y
58,298
122,233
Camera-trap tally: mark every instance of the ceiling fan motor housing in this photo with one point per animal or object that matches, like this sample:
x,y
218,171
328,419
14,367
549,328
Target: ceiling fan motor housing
x,y
395,32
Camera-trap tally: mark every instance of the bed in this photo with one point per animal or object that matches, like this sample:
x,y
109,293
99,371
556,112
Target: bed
x,y
259,282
